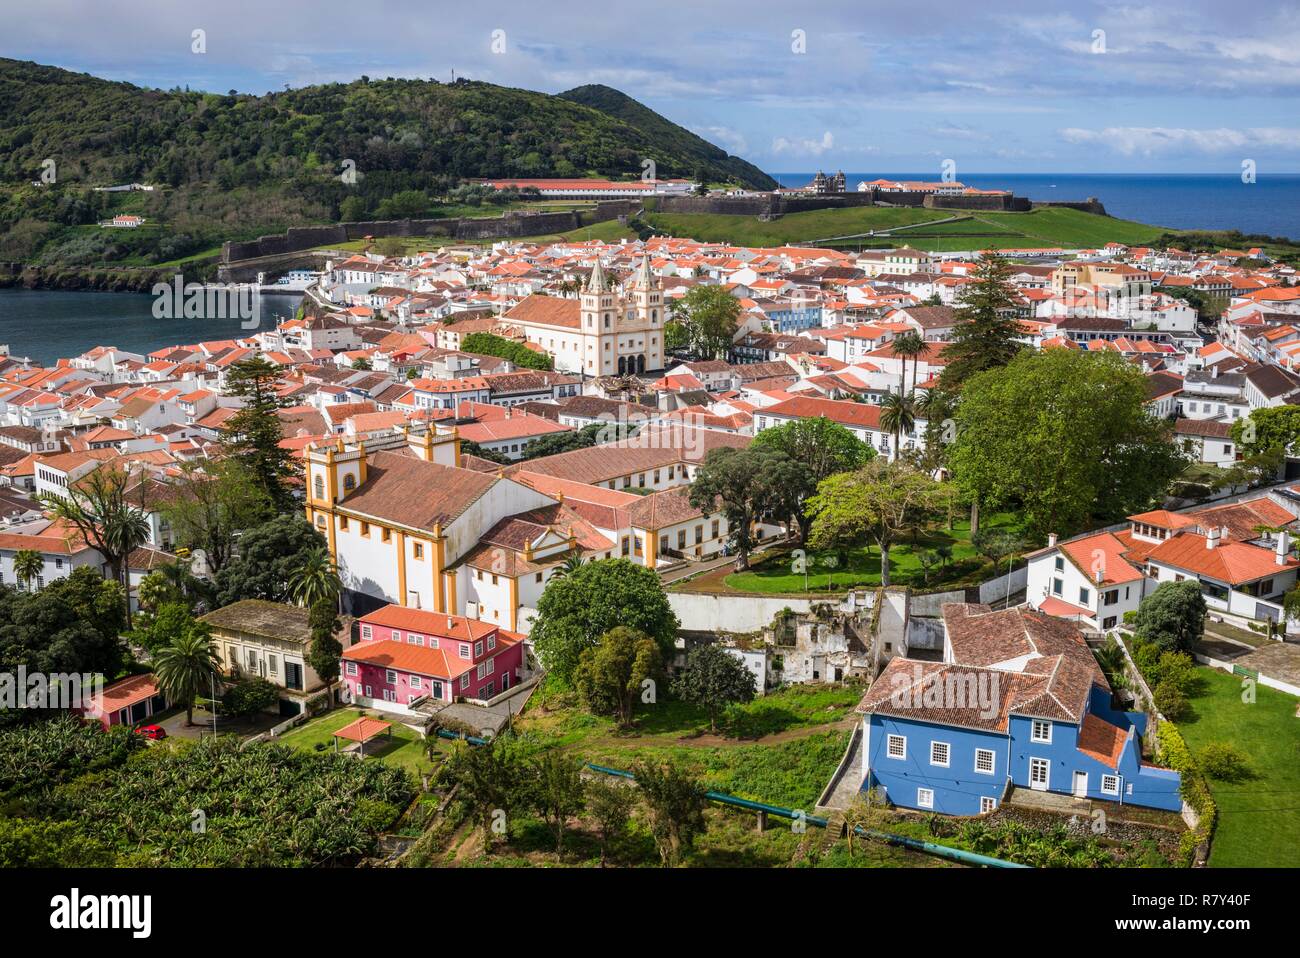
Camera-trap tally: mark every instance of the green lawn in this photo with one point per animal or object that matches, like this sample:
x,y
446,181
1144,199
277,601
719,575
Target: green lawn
x,y
1259,818
406,748
1043,227
775,573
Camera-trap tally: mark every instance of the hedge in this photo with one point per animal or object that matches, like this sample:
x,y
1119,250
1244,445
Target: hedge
x,y
1195,789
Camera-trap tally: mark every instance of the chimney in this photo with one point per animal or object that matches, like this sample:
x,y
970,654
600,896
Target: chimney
x,y
1214,371
1283,547
449,623
1212,538
1051,539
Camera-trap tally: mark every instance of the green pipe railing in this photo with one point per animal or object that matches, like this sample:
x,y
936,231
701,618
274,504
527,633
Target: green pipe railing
x,y
916,844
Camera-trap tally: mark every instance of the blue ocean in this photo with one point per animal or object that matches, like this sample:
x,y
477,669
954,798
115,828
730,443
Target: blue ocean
x,y
1215,201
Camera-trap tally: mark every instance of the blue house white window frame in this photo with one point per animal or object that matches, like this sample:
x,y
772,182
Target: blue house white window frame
x,y
1110,784
988,804
925,798
940,754
1040,730
896,746
992,761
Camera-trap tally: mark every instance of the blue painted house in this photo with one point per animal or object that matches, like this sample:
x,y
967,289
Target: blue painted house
x,y
1018,698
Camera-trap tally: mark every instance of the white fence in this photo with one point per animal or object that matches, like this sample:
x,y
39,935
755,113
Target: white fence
x,y
1261,679
998,589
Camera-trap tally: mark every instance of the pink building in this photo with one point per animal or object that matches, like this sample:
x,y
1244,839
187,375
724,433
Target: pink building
x,y
406,655
127,702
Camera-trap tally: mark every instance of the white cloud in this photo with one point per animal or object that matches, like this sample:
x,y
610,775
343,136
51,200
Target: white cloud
x,y
733,141
1158,140
782,146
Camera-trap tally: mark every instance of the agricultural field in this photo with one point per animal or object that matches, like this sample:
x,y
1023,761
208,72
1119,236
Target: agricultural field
x,y
105,798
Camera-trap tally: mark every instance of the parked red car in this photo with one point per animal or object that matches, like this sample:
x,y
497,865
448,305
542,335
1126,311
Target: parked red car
x,y
154,732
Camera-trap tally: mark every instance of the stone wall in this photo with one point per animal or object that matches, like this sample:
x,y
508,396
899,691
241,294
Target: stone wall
x,y
513,223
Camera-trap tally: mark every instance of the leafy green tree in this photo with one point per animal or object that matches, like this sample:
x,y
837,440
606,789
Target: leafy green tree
x,y
253,434
491,780
557,792
675,803
577,609
250,697
325,649
28,565
46,632
269,555
352,209
1066,437
609,806
714,679
876,503
315,579
676,336
1173,616
162,628
822,447
747,485
212,504
488,344
610,675
185,669
99,601
987,333
711,316
1268,429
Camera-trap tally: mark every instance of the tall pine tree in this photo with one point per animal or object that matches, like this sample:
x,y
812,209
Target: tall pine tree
x,y
253,433
987,333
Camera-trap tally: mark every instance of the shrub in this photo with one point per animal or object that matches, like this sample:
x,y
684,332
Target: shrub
x,y
1170,700
1222,762
248,698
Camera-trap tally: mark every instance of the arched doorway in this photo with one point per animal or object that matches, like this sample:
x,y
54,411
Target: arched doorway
x,y
622,365
640,363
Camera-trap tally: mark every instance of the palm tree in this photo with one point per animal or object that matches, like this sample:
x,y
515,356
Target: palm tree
x,y
28,564
317,578
898,415
907,346
99,507
184,669
572,563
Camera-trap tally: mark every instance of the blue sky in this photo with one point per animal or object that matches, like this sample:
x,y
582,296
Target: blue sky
x,y
993,85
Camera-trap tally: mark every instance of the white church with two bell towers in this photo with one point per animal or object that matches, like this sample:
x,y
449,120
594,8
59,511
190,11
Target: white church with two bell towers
x,y
607,331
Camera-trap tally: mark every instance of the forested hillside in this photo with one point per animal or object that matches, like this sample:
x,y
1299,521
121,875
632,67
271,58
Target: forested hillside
x,y
237,164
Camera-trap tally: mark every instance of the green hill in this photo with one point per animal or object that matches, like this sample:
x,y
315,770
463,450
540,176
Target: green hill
x,y
236,165
677,140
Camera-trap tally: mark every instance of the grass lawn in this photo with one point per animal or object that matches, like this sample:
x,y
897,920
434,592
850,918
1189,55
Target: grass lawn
x,y
1044,227
774,573
405,749
1259,818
